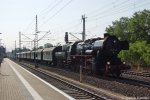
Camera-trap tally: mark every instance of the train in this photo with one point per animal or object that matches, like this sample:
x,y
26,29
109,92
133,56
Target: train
x,y
95,56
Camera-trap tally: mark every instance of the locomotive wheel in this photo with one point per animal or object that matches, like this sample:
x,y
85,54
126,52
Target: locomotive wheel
x,y
100,72
118,74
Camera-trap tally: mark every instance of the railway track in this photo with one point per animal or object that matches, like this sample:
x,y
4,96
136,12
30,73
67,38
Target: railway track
x,y
75,91
141,79
142,74
124,85
134,82
130,81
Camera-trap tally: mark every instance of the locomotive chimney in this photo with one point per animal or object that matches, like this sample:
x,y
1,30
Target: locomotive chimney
x,y
66,37
106,35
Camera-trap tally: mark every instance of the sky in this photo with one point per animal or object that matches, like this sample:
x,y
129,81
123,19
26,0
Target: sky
x,y
55,17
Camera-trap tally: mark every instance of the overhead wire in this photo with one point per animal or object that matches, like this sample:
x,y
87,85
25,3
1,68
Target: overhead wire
x,y
119,11
43,11
137,6
68,24
56,13
108,9
122,11
111,9
53,7
47,8
118,4
113,12
116,10
103,7
27,37
67,28
72,26
47,33
126,7
88,16
29,26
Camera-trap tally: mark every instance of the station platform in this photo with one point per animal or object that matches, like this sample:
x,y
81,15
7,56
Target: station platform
x,y
16,83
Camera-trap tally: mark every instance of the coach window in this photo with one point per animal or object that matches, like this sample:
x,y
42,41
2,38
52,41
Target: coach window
x,y
68,48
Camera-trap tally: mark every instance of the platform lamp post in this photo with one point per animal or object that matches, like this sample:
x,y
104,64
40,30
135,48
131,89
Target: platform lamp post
x,y
15,50
0,40
0,44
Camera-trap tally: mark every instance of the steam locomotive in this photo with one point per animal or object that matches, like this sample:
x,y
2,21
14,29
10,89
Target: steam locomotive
x,y
96,55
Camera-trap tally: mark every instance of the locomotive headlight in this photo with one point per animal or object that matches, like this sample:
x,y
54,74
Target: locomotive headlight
x,y
108,63
114,41
124,62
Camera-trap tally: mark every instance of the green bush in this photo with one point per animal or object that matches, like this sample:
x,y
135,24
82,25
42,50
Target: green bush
x,y
137,55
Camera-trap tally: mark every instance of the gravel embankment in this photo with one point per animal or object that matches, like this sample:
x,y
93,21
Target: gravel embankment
x,y
111,84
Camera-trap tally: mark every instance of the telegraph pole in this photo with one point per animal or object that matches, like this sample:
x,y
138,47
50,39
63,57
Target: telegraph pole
x,y
15,50
83,33
36,42
19,41
83,39
19,45
36,35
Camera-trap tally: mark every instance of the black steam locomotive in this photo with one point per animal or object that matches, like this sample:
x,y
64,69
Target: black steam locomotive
x,y
97,55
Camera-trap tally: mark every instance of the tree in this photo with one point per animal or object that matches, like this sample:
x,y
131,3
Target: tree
x,y
137,55
25,49
132,29
135,30
119,28
48,45
40,47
